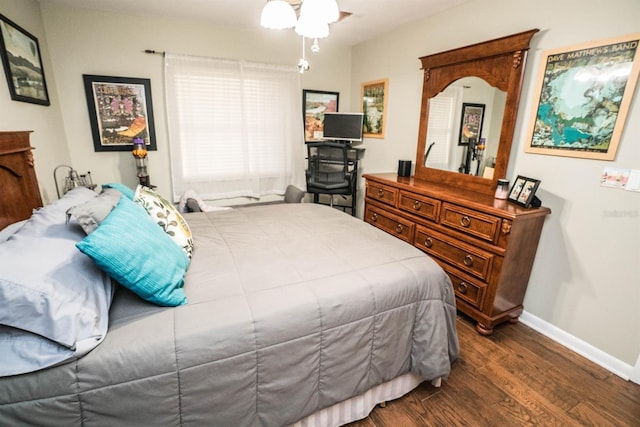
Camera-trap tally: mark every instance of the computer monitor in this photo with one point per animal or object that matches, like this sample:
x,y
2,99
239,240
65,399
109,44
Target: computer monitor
x,y
343,127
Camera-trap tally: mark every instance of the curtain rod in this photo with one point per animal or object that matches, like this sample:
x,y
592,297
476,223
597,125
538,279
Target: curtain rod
x,y
155,52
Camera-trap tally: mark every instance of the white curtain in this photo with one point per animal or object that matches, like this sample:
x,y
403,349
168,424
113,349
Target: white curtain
x,y
235,127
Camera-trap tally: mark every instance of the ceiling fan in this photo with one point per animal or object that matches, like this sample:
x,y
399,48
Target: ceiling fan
x,y
297,3
311,19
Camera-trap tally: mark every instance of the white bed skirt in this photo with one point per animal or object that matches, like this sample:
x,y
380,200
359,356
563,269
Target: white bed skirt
x,y
360,407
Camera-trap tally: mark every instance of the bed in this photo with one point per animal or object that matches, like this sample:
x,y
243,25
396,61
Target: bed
x,y
293,314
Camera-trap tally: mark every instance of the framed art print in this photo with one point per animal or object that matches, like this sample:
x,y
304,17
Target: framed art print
x,y
374,107
583,96
22,62
471,123
120,109
315,103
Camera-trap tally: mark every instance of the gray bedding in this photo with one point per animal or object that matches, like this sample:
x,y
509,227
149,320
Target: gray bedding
x,y
292,308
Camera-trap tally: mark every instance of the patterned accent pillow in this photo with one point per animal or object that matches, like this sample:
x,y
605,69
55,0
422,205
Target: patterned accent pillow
x,y
166,215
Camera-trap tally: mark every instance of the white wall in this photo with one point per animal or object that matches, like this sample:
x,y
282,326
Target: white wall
x,y
112,44
45,122
585,279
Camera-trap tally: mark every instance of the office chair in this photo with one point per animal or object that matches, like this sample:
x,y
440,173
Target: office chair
x,y
328,172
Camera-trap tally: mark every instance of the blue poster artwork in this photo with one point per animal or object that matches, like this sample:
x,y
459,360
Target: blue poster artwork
x,y
581,95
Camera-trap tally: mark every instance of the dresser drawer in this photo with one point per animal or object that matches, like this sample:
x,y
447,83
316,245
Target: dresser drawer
x,y
392,224
382,193
468,290
425,207
461,255
477,224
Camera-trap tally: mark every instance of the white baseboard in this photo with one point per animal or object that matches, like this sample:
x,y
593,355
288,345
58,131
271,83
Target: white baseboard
x,y
635,374
599,357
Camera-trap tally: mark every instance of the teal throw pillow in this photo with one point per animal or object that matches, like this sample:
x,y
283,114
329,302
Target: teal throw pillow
x,y
130,247
126,191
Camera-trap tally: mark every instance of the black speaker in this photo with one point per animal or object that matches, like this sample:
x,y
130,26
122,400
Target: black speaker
x,y
404,168
535,202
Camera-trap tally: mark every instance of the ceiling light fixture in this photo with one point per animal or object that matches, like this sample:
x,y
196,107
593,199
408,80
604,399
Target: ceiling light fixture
x,y
278,15
311,27
323,10
314,17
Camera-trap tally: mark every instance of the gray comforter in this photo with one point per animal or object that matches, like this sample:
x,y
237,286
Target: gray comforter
x,y
292,308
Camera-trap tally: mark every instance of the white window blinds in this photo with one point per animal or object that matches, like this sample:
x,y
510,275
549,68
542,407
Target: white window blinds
x,y
235,127
443,110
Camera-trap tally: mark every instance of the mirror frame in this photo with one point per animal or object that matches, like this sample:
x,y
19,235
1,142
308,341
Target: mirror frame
x,y
501,63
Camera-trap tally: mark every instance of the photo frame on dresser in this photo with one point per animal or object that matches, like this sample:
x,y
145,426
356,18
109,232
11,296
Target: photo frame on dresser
x,y
22,62
523,192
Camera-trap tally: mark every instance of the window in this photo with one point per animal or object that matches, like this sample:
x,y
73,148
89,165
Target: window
x,y
441,146
235,127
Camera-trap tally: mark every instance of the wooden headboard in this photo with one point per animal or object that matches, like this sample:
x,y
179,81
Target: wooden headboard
x,y
19,192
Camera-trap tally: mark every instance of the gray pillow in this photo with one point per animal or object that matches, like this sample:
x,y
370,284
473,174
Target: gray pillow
x,y
92,212
56,296
10,229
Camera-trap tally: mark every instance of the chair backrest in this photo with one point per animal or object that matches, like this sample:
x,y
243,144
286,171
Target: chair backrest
x,y
327,166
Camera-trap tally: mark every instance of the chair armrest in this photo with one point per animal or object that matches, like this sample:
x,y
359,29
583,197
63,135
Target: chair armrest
x,y
193,206
293,194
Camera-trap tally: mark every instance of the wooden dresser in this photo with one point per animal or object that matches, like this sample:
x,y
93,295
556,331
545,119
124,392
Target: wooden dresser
x,y
486,245
18,184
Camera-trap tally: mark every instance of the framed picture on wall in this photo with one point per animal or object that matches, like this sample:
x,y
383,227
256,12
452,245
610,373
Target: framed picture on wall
x,y
374,107
120,109
471,122
583,96
22,62
314,104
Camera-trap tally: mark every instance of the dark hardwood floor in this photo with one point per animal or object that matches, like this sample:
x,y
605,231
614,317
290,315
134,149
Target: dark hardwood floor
x,y
515,377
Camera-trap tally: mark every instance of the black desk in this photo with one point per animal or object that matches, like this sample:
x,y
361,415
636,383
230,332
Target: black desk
x,y
355,154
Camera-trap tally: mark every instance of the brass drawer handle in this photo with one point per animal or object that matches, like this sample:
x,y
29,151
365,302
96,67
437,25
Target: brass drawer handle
x,y
380,192
428,242
463,287
417,205
468,260
374,217
399,228
465,221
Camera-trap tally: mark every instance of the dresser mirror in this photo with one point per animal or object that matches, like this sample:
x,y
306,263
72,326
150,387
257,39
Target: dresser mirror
x,y
491,73
450,130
